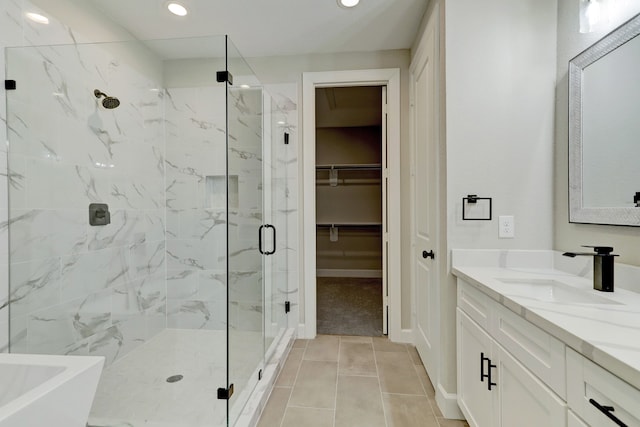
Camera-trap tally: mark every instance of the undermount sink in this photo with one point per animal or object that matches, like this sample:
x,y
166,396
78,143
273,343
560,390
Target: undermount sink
x,y
44,390
553,291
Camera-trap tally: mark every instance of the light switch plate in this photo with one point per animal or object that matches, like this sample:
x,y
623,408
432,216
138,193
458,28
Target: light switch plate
x,y
506,226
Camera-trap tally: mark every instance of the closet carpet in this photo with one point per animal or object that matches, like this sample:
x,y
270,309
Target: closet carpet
x,y
349,306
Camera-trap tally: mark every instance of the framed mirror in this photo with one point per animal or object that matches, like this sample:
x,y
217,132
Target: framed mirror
x,y
604,130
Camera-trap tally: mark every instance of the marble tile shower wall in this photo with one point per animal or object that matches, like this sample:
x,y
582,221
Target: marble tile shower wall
x,y
196,220
196,205
16,31
77,289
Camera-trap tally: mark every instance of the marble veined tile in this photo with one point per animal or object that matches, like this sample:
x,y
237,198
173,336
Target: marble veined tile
x,y
43,233
196,254
128,227
193,314
11,23
147,258
137,297
34,285
90,272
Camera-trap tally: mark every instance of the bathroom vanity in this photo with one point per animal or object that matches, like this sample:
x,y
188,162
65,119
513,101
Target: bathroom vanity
x,y
537,346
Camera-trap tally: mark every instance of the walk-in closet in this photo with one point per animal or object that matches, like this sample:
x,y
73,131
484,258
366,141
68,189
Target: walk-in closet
x,y
350,214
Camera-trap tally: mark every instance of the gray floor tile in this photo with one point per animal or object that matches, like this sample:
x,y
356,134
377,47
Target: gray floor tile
x,y
359,402
315,386
308,417
357,359
408,411
273,412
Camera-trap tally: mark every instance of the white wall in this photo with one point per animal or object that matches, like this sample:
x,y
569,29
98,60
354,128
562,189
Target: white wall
x,y
570,43
499,60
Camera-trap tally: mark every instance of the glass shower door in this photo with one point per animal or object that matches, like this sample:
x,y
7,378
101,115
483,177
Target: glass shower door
x,y
248,238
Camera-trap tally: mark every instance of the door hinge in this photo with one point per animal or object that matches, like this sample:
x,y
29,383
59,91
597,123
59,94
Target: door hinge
x,y
224,76
287,306
225,393
10,85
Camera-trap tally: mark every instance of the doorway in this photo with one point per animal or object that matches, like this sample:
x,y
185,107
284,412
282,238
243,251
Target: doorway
x,y
319,230
351,292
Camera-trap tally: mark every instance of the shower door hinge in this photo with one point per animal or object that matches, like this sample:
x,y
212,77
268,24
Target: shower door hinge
x,y
224,76
287,306
225,393
10,85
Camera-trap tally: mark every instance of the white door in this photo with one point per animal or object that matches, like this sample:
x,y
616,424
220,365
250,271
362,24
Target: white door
x,y
424,199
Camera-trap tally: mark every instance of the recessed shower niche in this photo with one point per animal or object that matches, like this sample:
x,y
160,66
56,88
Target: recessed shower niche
x,y
216,188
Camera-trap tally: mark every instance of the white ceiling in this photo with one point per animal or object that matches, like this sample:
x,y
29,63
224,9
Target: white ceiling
x,y
277,27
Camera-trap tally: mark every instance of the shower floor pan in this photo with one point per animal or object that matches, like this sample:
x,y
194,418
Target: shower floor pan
x,y
134,391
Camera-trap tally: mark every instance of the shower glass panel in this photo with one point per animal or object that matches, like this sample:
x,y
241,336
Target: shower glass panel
x,y
249,239
136,196
276,163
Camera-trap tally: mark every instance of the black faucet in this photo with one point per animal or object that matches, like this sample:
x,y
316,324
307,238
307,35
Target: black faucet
x,y
602,266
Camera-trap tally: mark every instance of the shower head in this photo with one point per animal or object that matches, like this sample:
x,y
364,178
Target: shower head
x,y
108,102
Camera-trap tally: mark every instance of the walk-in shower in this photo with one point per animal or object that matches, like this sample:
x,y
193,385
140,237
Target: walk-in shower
x,y
183,290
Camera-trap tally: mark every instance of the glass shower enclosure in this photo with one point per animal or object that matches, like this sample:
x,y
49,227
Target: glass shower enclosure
x,y
142,197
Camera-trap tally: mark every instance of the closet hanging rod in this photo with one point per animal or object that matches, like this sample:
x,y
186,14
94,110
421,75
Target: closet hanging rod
x,y
368,166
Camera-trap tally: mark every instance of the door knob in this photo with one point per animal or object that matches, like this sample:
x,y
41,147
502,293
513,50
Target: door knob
x,y
429,254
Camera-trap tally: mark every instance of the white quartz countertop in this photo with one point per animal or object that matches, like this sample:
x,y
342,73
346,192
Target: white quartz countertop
x,y
602,326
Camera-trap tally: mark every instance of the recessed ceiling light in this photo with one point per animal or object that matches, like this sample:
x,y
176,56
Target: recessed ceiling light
x,y
348,3
245,86
36,17
177,9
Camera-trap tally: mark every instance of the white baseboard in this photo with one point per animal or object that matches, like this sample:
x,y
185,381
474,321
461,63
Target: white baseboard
x,y
406,336
322,272
448,404
302,332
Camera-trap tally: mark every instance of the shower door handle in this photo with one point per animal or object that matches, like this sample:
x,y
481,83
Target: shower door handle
x,y
274,240
262,251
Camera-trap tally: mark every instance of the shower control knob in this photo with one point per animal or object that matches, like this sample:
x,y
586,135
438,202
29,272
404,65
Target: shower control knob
x,y
429,254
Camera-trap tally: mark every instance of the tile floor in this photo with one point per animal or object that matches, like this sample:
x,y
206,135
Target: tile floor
x,y
335,381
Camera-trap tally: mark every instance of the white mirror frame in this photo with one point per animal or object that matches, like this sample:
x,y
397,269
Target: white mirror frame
x,y
578,213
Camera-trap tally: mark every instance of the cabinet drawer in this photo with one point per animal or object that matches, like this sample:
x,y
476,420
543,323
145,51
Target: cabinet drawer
x,y
574,421
541,353
588,382
474,303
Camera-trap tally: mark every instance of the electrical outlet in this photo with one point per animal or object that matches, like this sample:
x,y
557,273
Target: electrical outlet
x,y
506,227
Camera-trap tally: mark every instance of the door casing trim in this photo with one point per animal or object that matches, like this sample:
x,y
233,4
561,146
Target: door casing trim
x,y
389,77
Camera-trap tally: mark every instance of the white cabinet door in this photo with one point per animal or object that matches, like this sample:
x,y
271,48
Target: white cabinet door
x,y
522,399
474,396
574,421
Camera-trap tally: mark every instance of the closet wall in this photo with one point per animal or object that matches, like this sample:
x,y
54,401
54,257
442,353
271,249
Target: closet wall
x,y
348,182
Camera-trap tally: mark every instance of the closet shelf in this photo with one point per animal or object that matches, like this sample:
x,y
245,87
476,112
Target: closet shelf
x,y
349,224
352,166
